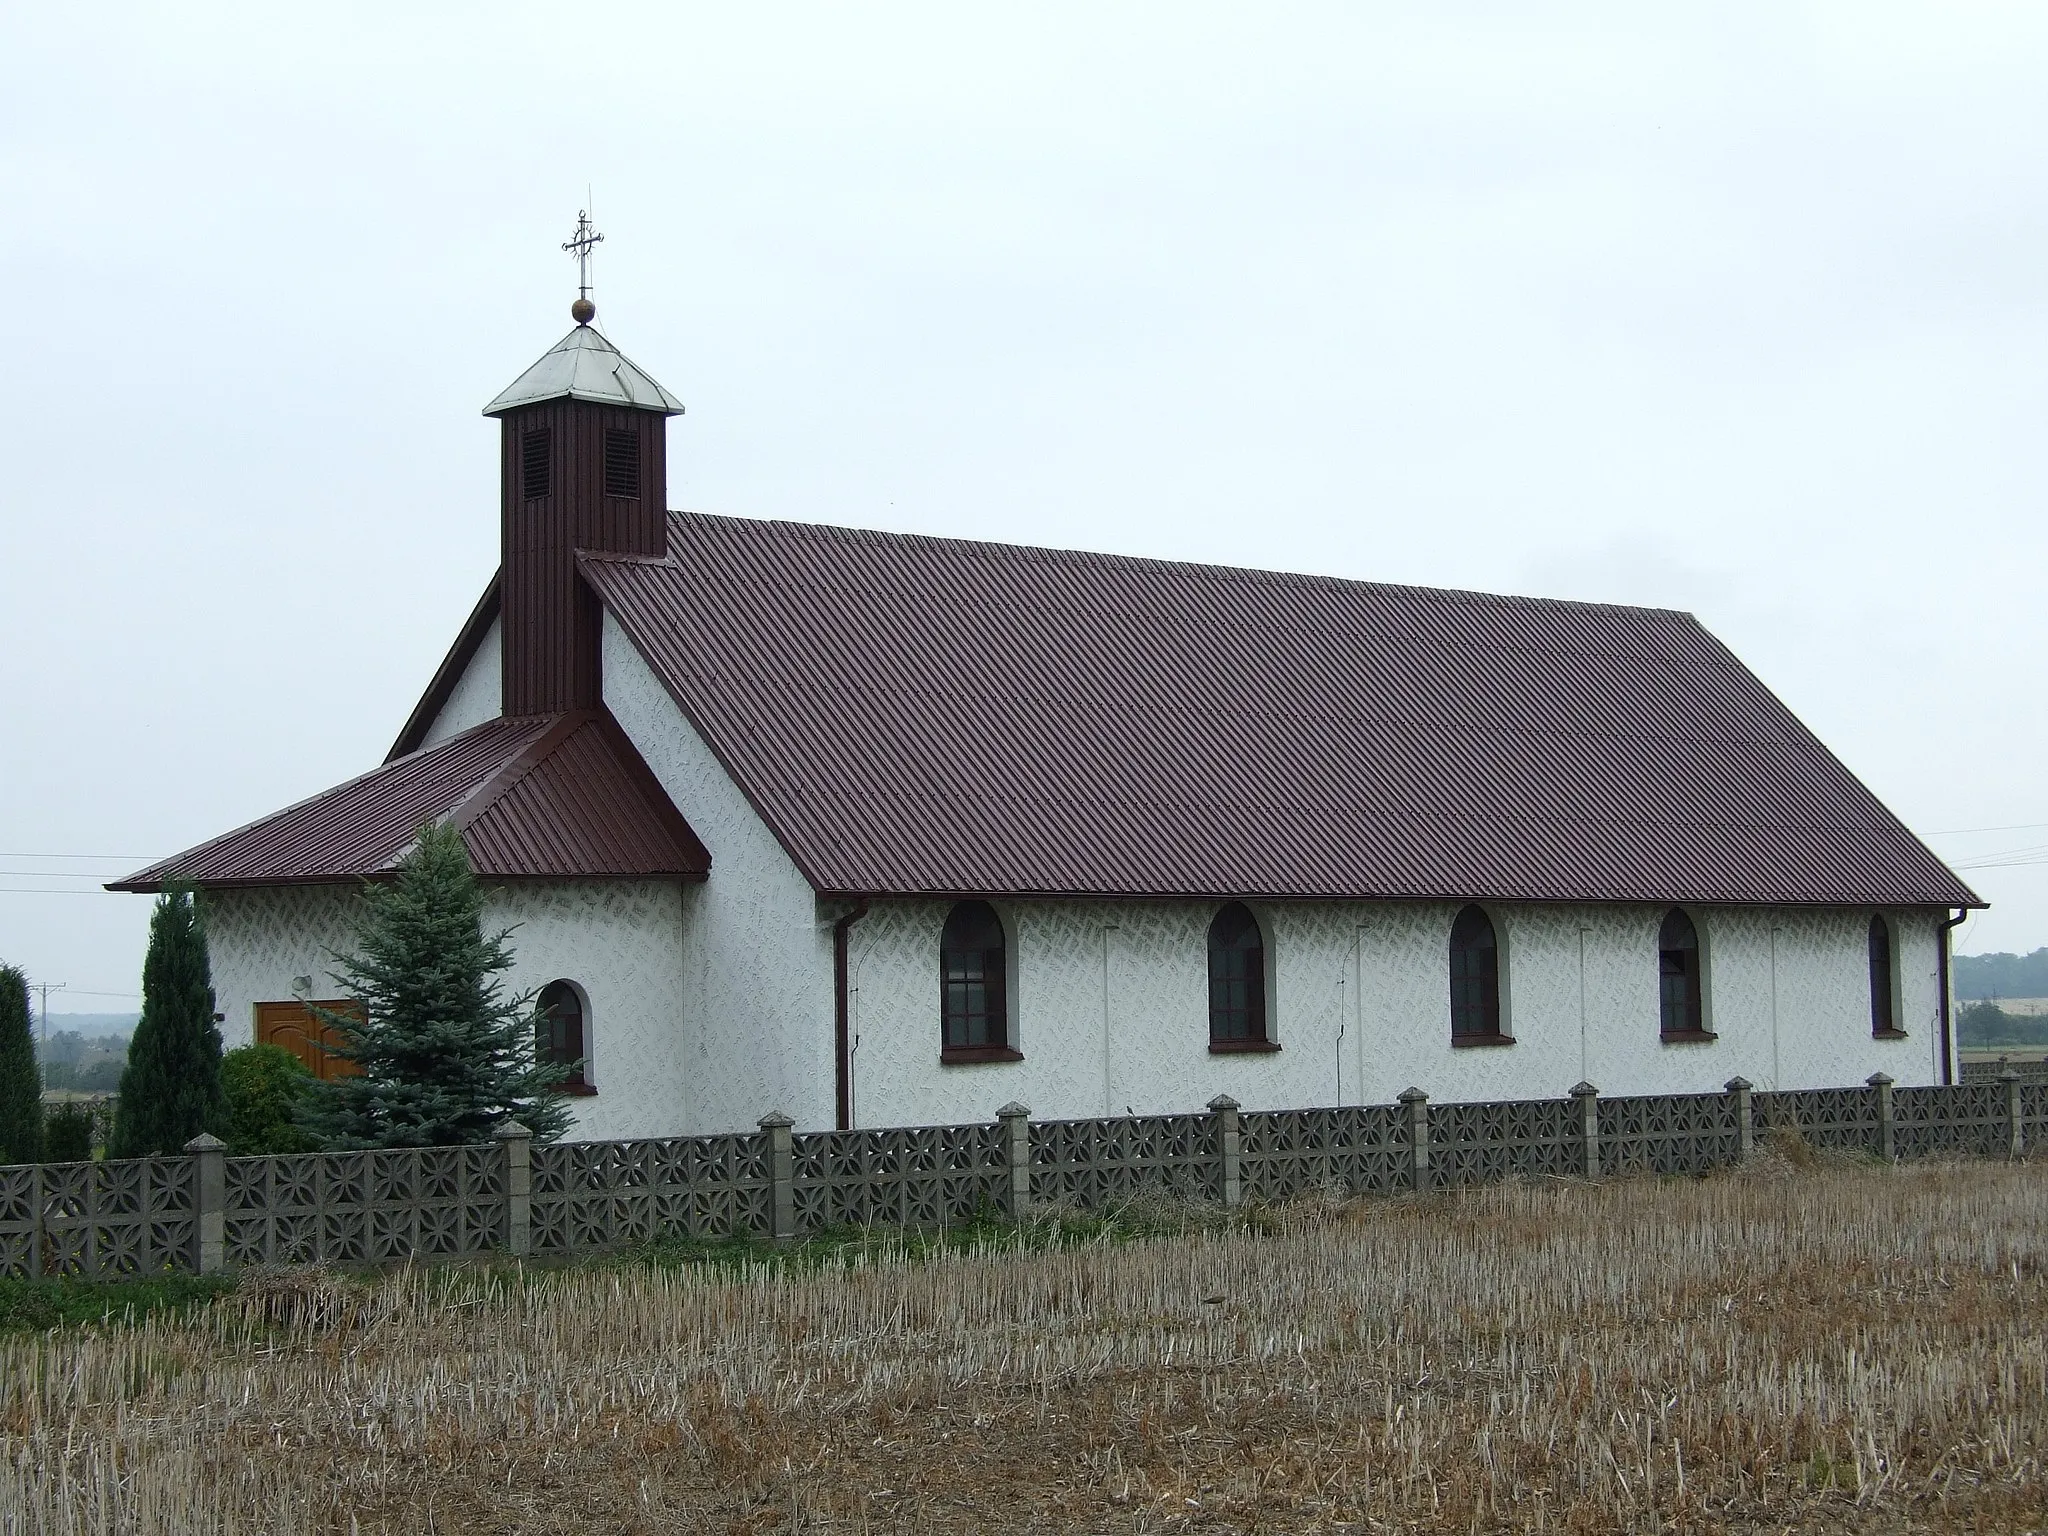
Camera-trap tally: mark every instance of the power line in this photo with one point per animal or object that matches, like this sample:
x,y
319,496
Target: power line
x,y
53,890
108,858
2024,826
51,874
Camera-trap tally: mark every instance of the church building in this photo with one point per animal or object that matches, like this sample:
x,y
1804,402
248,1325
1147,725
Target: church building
x,y
882,830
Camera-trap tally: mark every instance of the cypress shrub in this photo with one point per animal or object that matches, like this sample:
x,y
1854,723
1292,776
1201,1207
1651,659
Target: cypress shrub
x,y
21,1083
170,1091
445,1057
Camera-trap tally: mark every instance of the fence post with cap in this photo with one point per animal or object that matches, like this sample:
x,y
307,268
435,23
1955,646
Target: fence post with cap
x,y
515,1144
1887,1137
210,1200
1229,1147
1416,1102
2015,1126
781,1176
1745,1130
1586,1105
1015,1121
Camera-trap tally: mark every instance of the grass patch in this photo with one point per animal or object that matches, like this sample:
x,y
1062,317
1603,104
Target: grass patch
x,y
34,1305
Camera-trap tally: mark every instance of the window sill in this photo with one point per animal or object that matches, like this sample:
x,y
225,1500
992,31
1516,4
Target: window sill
x,y
1887,1034
1479,1042
1243,1047
1687,1036
578,1090
969,1055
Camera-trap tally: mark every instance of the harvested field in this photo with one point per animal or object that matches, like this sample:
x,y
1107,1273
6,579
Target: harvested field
x,y
1784,1348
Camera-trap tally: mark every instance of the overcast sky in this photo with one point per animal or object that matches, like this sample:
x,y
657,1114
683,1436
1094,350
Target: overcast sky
x,y
1737,308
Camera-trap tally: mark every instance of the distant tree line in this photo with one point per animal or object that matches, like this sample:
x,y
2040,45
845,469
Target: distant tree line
x,y
1996,976
1985,1024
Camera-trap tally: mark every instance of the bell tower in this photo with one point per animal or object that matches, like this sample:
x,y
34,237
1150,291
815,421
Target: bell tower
x,y
583,464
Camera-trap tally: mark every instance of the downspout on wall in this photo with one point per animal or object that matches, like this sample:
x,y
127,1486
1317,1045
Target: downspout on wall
x,y
1941,964
842,1032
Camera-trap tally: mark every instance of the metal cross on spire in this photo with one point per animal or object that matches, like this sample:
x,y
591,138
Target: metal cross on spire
x,y
580,243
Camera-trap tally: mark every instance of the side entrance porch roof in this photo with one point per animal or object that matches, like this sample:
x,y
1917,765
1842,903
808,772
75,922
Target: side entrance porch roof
x,y
537,797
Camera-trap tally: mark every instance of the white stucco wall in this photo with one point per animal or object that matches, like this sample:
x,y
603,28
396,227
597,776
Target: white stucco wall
x,y
478,695
621,941
757,1016
1377,972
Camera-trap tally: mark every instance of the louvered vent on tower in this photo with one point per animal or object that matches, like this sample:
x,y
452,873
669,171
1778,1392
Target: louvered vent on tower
x,y
534,463
622,464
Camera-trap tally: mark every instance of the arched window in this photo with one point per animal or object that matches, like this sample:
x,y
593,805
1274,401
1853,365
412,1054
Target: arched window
x,y
1237,979
1475,978
1884,1021
562,1034
1679,1010
974,973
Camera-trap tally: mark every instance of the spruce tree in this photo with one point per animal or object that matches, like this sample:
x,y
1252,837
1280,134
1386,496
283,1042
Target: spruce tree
x,y
170,1090
21,1083
444,1056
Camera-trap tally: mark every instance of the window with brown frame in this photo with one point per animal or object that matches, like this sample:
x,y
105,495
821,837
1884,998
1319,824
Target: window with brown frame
x,y
1884,1022
974,1022
1681,1012
1237,981
560,1035
1475,980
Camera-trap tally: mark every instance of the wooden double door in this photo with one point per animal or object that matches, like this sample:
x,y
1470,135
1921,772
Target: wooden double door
x,y
299,1029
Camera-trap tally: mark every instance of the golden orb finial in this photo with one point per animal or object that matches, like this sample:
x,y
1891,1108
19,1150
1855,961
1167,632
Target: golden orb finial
x,y
583,311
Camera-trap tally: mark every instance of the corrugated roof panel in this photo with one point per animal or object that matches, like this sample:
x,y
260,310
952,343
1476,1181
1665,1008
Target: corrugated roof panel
x,y
929,715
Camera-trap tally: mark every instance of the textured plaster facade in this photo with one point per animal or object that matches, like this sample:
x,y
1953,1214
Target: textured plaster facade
x,y
621,941
1109,1007
478,694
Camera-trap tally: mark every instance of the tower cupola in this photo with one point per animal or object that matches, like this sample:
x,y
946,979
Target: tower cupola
x,y
583,464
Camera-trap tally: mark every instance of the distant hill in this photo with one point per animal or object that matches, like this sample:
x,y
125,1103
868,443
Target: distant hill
x,y
90,1024
1980,976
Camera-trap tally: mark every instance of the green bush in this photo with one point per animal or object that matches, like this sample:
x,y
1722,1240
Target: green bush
x,y
67,1134
264,1084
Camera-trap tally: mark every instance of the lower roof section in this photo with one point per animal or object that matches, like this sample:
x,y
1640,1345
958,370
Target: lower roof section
x,y
562,796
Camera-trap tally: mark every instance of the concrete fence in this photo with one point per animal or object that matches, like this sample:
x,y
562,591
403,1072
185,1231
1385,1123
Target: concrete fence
x,y
206,1211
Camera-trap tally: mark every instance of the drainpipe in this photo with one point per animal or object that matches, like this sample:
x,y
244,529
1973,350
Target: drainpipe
x,y
842,1035
1941,942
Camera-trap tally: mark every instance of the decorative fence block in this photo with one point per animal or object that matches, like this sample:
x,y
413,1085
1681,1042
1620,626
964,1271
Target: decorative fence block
x,y
925,1177
1969,1118
365,1207
598,1194
1843,1119
1289,1152
1669,1133
1096,1163
2034,1114
134,1217
1486,1143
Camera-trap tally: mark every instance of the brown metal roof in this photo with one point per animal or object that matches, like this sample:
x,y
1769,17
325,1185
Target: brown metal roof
x,y
915,715
561,796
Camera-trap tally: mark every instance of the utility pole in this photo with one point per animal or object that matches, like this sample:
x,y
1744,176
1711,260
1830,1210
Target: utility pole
x,y
43,1055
